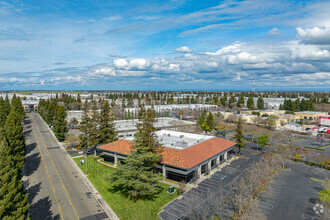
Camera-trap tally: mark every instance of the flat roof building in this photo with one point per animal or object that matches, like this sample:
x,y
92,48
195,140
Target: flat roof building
x,y
185,156
310,115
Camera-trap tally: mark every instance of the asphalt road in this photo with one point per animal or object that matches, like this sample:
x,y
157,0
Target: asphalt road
x,y
56,191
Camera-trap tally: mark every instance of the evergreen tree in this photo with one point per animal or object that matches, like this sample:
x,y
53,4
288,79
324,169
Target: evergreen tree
x,y
239,135
232,101
15,136
93,132
224,100
107,129
138,178
201,118
16,105
260,103
250,103
240,101
84,127
210,121
7,105
51,109
3,113
13,199
60,124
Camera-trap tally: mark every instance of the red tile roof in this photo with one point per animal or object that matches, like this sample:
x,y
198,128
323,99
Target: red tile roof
x,y
186,158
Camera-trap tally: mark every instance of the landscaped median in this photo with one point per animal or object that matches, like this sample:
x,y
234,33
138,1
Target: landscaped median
x,y
124,207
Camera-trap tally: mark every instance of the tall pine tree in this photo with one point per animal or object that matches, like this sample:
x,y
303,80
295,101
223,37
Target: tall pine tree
x,y
138,177
239,135
60,124
250,103
15,136
13,199
260,103
107,128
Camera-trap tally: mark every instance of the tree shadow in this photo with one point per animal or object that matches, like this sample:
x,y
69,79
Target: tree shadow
x,y
32,163
42,210
30,147
33,191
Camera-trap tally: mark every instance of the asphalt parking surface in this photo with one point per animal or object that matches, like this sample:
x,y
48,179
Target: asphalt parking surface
x,y
292,194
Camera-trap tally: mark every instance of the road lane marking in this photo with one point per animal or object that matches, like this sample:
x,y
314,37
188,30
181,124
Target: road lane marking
x,y
58,174
59,207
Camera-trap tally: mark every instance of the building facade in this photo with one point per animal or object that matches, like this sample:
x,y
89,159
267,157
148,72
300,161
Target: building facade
x,y
185,156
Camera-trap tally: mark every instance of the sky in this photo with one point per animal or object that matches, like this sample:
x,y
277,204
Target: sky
x,y
164,45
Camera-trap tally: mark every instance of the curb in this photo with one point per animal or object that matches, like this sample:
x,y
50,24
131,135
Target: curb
x,y
111,214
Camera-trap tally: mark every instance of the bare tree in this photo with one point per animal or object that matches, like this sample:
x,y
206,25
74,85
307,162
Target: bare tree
x,y
232,118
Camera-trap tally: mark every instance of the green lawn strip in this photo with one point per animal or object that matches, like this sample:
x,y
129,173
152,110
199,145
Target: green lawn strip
x,y
317,179
316,148
122,206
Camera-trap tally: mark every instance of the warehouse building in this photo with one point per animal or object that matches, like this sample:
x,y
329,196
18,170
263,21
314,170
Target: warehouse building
x,y
310,115
185,156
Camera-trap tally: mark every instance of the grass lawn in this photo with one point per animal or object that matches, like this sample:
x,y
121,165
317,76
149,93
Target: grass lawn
x,y
122,206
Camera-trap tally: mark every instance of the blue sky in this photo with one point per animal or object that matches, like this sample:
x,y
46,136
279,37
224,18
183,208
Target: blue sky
x,y
169,45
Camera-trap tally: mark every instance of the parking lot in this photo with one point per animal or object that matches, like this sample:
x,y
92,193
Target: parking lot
x,y
200,196
292,194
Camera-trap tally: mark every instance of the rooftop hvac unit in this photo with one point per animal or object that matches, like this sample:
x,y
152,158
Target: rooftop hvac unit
x,y
172,144
164,134
168,135
182,136
181,144
198,141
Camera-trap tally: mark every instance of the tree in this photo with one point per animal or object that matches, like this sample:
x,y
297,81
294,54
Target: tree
x,y
270,122
240,101
224,100
93,132
72,140
16,105
201,118
3,113
84,127
15,136
210,121
107,128
13,199
138,177
239,135
250,103
260,103
263,140
60,124
232,101
74,121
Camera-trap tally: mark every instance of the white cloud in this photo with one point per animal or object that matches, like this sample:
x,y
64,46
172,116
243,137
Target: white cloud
x,y
308,52
120,63
103,71
183,50
112,18
315,35
274,32
229,49
137,63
